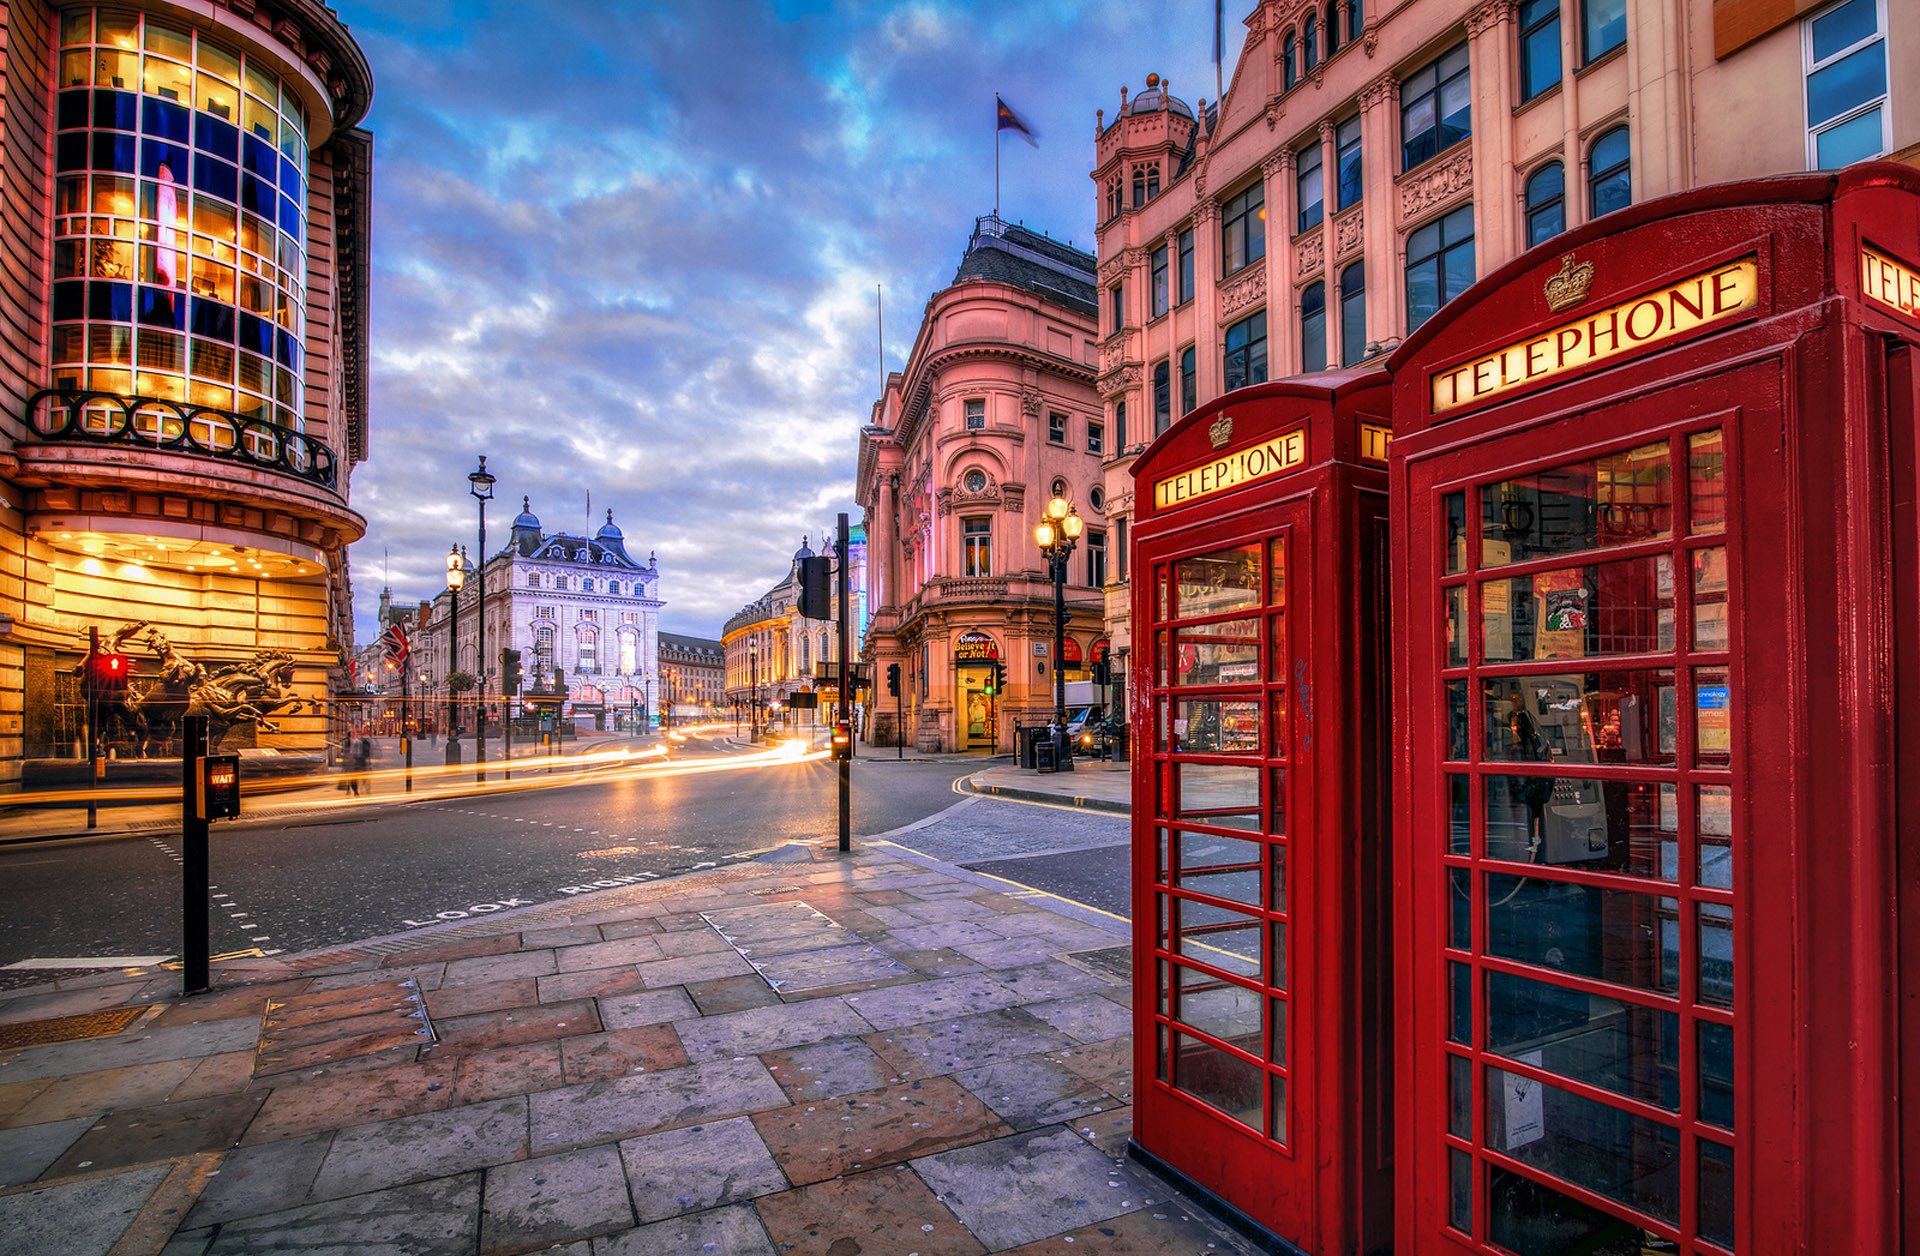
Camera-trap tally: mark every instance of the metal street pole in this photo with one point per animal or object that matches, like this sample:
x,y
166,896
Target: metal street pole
x,y
92,706
846,639
196,899
1059,639
482,492
406,719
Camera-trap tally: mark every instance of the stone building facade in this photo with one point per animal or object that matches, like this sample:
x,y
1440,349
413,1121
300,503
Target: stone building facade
x,y
1369,161
994,415
693,673
772,651
578,606
183,392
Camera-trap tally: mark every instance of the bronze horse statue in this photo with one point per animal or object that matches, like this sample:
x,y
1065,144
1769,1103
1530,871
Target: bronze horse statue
x,y
229,694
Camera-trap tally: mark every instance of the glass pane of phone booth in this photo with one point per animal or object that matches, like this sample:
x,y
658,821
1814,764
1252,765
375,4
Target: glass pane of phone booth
x,y
1588,702
1220,754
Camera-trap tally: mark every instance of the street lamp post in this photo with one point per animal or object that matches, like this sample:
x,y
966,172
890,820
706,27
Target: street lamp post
x,y
482,491
1056,532
753,691
456,576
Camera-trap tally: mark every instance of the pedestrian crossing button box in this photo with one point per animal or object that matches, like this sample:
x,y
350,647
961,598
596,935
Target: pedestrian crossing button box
x,y
220,787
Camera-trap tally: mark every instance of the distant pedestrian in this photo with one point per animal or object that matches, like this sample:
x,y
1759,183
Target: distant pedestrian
x,y
357,762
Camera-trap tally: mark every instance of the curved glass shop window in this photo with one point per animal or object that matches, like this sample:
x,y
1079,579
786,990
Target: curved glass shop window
x,y
179,220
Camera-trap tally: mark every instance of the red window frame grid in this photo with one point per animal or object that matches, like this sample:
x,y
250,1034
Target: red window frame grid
x,y
1272,757
1684,661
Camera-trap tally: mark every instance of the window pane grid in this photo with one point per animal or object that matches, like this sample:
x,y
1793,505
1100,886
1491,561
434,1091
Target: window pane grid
x,y
1685,908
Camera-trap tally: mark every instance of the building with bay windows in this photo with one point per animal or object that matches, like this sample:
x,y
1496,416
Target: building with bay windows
x,y
184,393
994,415
1369,161
581,611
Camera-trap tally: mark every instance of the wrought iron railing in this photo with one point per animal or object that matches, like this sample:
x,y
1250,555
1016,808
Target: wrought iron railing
x,y
178,427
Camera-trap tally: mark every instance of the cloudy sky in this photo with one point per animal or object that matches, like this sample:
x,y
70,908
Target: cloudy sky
x,y
630,250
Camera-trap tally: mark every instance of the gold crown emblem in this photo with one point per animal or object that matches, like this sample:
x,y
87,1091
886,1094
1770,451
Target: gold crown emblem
x,y
1220,431
1568,285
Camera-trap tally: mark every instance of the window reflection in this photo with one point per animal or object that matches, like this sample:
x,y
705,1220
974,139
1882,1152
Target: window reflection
x,y
1626,827
1603,1149
1213,584
1216,726
1220,938
1603,717
1622,1047
1220,1080
1614,499
1225,794
1579,612
1604,934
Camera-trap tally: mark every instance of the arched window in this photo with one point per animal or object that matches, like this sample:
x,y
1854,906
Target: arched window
x,y
806,655
1353,314
1546,203
1609,178
1310,41
1333,27
589,654
1313,328
1139,186
1289,73
629,654
1113,198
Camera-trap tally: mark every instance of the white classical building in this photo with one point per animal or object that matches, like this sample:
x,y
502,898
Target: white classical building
x,y
577,605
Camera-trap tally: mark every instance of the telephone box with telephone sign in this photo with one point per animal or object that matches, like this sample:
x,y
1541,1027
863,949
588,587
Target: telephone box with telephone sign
x,y
1657,734
1258,704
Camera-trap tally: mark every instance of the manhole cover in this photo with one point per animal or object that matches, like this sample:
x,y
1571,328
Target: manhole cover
x,y
67,1028
332,1025
1115,963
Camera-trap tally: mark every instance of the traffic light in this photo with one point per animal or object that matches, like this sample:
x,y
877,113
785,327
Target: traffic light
x,y
816,588
509,671
103,677
1102,672
893,679
843,740
997,678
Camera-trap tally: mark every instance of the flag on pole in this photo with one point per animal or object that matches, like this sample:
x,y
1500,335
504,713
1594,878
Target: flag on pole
x,y
1005,119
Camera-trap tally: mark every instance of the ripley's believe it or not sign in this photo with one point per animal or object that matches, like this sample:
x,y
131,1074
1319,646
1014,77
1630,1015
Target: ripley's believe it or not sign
x,y
1672,310
1270,457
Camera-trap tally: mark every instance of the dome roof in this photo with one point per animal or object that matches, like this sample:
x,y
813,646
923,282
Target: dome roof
x,y
1150,100
803,551
526,519
610,532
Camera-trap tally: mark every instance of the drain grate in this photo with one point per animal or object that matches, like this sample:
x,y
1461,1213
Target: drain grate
x,y
307,1030
68,1028
1115,963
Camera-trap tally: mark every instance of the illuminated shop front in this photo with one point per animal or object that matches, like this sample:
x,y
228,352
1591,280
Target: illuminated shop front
x,y
182,459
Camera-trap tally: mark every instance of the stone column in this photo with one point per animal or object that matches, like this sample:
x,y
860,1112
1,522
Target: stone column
x,y
1283,208
1496,231
1206,281
1330,200
1384,252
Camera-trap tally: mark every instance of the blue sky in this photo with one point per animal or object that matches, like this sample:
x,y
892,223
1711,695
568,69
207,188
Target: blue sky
x,y
630,250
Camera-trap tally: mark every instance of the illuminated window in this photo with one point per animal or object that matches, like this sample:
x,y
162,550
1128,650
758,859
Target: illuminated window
x,y
1845,51
629,653
1243,229
976,541
589,654
180,219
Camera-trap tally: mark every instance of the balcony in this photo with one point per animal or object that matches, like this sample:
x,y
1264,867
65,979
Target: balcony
x,y
72,416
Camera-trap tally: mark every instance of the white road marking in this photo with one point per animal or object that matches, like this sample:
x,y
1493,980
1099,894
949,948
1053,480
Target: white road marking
x,y
92,961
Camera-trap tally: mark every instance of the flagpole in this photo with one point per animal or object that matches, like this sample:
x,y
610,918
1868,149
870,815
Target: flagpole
x,y
996,155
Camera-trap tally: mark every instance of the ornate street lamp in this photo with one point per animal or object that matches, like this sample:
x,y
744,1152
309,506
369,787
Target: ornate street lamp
x,y
753,691
1056,532
456,576
482,490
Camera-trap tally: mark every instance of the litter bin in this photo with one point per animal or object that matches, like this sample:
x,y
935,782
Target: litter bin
x,y
1044,758
1029,739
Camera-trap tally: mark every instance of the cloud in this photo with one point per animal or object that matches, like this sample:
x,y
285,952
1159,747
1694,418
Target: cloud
x,y
631,249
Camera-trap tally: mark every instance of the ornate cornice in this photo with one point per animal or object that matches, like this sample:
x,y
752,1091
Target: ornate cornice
x,y
1244,292
1206,211
1121,379
1133,257
1384,90
1447,178
1111,269
1277,164
1487,16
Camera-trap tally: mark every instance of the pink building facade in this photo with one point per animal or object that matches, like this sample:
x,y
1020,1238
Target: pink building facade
x,y
993,416
1369,161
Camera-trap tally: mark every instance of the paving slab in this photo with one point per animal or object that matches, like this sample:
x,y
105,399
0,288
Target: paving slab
x,y
770,1028
797,974
620,1053
77,1217
333,1100
1155,1231
681,970
1034,1185
449,1002
422,1219
646,1007
540,1023
883,1210
415,1148
699,1167
501,1071
1085,1017
922,1001
1033,1090
535,1203
825,1070
17,1095
627,1107
1048,979
599,954
222,1074
731,994
731,1231
816,1141
591,983
27,1150
144,1046
255,1180
497,967
162,1131
93,1093
951,1045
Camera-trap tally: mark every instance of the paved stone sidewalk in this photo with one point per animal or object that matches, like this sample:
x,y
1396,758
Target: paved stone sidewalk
x,y
810,1054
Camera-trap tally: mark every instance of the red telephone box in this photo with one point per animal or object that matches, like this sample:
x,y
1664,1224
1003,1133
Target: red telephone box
x,y
1260,802
1657,734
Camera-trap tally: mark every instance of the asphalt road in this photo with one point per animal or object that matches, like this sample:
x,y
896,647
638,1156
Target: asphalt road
x,y
383,870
